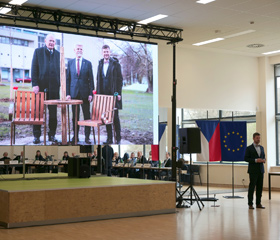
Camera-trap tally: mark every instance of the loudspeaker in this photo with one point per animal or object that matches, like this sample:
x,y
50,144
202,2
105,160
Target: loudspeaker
x,y
189,140
86,149
84,171
79,167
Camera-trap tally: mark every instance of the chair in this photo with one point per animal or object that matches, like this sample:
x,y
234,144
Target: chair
x,y
103,108
28,110
195,169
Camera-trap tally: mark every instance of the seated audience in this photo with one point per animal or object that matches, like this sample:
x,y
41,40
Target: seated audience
x,y
6,160
166,163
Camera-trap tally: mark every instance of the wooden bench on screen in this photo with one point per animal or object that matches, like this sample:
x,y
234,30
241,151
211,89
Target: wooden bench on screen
x,y
28,110
103,108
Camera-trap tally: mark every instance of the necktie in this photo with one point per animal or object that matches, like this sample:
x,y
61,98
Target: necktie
x,y
78,67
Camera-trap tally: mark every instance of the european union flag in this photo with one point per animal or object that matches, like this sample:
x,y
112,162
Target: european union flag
x,y
233,140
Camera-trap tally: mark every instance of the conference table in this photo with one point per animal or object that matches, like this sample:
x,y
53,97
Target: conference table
x,y
64,120
269,181
141,168
32,163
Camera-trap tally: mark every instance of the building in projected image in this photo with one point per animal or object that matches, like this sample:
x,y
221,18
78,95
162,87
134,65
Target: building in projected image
x,y
19,44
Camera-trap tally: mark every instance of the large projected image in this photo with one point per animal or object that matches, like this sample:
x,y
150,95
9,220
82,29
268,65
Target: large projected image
x,y
32,63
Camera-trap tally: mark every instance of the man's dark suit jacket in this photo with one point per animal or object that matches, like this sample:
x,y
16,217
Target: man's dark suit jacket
x,y
250,156
114,75
168,163
83,83
108,154
45,71
142,160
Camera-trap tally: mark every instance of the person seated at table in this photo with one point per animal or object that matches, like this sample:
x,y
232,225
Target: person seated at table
x,y
152,173
132,173
65,157
38,156
94,155
141,158
166,163
6,160
19,158
124,171
116,159
132,160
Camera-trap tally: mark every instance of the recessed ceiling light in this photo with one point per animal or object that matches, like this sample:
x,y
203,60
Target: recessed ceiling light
x,y
255,45
17,2
5,10
208,41
240,33
153,19
267,53
205,1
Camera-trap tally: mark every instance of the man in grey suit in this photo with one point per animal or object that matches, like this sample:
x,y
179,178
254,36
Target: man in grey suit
x,y
79,85
255,156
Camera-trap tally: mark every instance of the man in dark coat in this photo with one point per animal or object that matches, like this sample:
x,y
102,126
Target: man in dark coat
x,y
107,154
79,85
109,82
255,156
45,74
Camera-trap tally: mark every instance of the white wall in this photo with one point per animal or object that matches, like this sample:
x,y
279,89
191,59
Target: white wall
x,y
208,80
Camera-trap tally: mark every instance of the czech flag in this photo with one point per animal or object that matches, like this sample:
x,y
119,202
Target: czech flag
x,y
210,141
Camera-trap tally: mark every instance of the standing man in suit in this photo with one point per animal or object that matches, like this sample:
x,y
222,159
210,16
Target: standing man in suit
x,y
79,85
108,154
109,82
45,74
255,156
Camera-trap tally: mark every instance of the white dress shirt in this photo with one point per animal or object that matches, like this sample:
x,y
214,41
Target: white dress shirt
x,y
105,67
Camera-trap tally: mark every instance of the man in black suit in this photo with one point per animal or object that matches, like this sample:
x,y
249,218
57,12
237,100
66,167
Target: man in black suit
x,y
255,156
109,82
79,85
166,163
45,74
107,154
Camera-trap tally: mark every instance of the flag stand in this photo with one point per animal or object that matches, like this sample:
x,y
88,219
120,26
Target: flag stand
x,y
209,199
232,196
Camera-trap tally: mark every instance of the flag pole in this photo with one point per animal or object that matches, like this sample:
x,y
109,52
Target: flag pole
x,y
232,168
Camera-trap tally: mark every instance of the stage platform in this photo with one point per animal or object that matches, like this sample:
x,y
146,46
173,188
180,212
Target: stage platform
x,y
53,201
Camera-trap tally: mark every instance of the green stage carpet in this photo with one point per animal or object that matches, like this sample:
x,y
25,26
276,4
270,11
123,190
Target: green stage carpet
x,y
96,181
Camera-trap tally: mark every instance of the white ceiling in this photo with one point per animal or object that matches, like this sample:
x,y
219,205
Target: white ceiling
x,y
200,22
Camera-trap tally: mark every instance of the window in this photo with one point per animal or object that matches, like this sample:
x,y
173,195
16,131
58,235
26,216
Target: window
x,y
190,116
277,110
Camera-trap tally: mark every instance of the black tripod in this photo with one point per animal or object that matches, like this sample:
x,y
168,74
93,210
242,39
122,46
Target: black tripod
x,y
180,199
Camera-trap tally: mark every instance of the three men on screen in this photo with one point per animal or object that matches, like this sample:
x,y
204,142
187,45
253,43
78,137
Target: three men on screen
x,y
45,72
79,85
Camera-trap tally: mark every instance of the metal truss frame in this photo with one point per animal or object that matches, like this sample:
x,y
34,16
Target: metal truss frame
x,y
92,23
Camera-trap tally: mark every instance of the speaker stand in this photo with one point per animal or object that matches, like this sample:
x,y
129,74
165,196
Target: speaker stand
x,y
180,199
232,196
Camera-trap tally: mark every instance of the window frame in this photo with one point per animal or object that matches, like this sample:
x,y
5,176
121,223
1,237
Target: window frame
x,y
247,118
